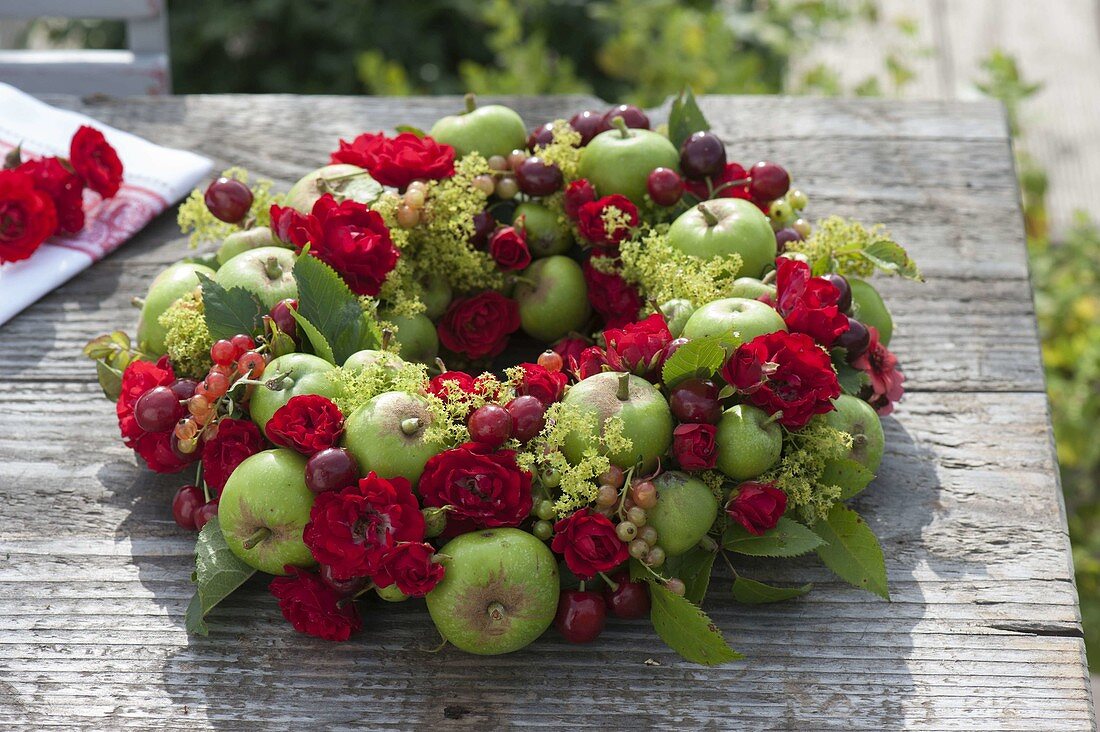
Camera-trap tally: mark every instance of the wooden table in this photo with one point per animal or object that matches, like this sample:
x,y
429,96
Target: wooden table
x,y
983,632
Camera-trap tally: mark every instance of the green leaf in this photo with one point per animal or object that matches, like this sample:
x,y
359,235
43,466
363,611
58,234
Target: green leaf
x,y
320,344
698,358
851,379
685,118
110,380
334,310
788,539
853,551
751,592
892,257
693,567
411,128
638,571
687,629
851,476
218,572
230,311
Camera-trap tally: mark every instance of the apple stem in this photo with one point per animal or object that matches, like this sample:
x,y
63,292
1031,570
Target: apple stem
x,y
410,425
259,535
623,390
440,365
610,582
471,102
526,281
387,337
137,302
708,215
496,611
773,417
770,277
273,269
620,124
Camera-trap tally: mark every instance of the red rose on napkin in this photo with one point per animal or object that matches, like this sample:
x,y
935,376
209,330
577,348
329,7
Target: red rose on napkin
x,y
96,161
64,187
27,216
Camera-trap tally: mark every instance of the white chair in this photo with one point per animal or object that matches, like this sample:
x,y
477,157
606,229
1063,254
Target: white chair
x,y
139,70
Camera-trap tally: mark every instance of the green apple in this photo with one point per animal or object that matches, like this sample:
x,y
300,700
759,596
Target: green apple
x,y
723,227
684,513
645,414
264,508
553,299
499,592
241,241
391,593
344,182
267,272
749,442
858,418
546,234
620,161
676,314
751,288
436,296
302,374
387,435
168,286
489,130
747,318
869,309
361,360
416,336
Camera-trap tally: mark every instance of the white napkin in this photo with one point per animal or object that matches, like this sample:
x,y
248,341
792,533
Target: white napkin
x,y
154,178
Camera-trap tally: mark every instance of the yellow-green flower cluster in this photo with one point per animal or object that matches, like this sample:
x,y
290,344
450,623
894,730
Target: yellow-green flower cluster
x,y
840,241
357,386
195,218
664,273
564,149
187,340
799,472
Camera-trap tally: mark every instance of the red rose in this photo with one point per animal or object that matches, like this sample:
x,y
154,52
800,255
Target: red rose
x,y
27,216
744,371
693,446
721,184
351,530
608,221
235,440
479,326
578,193
347,236
570,349
508,247
757,506
483,486
155,448
799,380
591,361
450,384
589,543
398,161
410,565
313,607
545,385
64,188
638,347
808,304
96,161
611,296
882,366
307,423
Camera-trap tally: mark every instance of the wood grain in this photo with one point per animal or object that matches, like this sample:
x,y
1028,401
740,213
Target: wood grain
x,y
983,630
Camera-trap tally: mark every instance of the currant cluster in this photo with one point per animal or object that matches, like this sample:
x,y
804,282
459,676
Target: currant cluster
x,y
630,509
410,211
520,172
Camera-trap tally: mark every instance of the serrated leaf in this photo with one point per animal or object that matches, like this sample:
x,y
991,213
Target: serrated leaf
x,y
685,118
110,380
230,311
751,592
852,552
320,344
687,629
788,539
891,257
638,571
851,379
218,572
196,623
698,358
851,476
411,128
325,300
99,347
693,567
120,339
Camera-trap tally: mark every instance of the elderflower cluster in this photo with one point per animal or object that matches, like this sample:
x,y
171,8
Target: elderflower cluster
x,y
564,149
187,340
799,472
665,273
204,227
839,241
357,386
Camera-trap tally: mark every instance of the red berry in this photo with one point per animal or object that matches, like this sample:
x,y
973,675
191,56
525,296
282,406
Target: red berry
x,y
228,199
581,615
551,360
184,504
632,116
214,386
344,587
589,123
183,388
223,352
331,469
702,155
855,340
541,135
243,342
280,314
665,186
536,177
490,425
204,513
484,226
695,400
844,304
251,364
768,181
158,409
630,600
528,417
784,236
186,450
